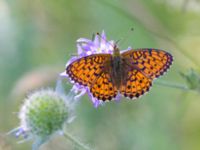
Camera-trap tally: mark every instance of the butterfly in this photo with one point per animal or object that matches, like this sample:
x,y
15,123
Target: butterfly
x,y
129,73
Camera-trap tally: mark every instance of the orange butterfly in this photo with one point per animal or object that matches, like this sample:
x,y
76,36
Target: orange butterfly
x,y
129,73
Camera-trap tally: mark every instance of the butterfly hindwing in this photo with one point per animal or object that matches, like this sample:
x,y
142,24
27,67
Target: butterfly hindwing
x,y
135,84
87,69
103,88
152,62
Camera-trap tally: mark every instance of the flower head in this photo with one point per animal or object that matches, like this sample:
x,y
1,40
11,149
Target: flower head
x,y
87,47
43,113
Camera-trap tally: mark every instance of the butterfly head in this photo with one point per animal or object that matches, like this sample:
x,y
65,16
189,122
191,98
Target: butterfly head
x,y
116,52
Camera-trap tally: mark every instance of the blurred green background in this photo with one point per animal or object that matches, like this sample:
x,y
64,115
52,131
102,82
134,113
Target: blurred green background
x,y
38,37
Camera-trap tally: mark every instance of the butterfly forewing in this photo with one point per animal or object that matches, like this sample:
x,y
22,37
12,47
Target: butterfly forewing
x,y
86,70
152,62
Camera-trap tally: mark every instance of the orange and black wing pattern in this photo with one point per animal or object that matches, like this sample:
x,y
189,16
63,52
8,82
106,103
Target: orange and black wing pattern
x,y
135,84
103,88
152,62
144,65
91,71
86,70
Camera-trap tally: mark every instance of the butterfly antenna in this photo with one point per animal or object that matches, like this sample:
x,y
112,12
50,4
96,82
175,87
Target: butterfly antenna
x,y
106,40
93,36
127,35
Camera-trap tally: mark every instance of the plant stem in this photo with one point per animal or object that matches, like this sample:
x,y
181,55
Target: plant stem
x,y
173,85
75,141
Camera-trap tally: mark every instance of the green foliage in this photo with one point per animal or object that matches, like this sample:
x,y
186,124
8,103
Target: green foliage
x,y
42,34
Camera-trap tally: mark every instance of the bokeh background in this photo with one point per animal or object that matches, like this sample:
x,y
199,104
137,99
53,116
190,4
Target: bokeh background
x,y
38,37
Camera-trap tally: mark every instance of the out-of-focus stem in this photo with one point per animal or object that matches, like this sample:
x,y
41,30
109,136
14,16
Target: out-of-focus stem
x,y
172,85
76,141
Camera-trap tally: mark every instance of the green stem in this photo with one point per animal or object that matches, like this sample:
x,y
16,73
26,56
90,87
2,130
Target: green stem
x,y
75,141
173,85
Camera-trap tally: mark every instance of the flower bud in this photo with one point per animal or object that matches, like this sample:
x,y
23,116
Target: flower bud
x,y
43,114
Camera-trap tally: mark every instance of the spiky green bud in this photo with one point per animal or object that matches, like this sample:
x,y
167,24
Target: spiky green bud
x,y
45,113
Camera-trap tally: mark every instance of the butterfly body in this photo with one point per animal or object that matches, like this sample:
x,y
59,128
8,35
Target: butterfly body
x,y
116,67
129,73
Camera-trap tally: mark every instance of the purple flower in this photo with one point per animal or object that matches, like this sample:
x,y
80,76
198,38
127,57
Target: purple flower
x,y
87,47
